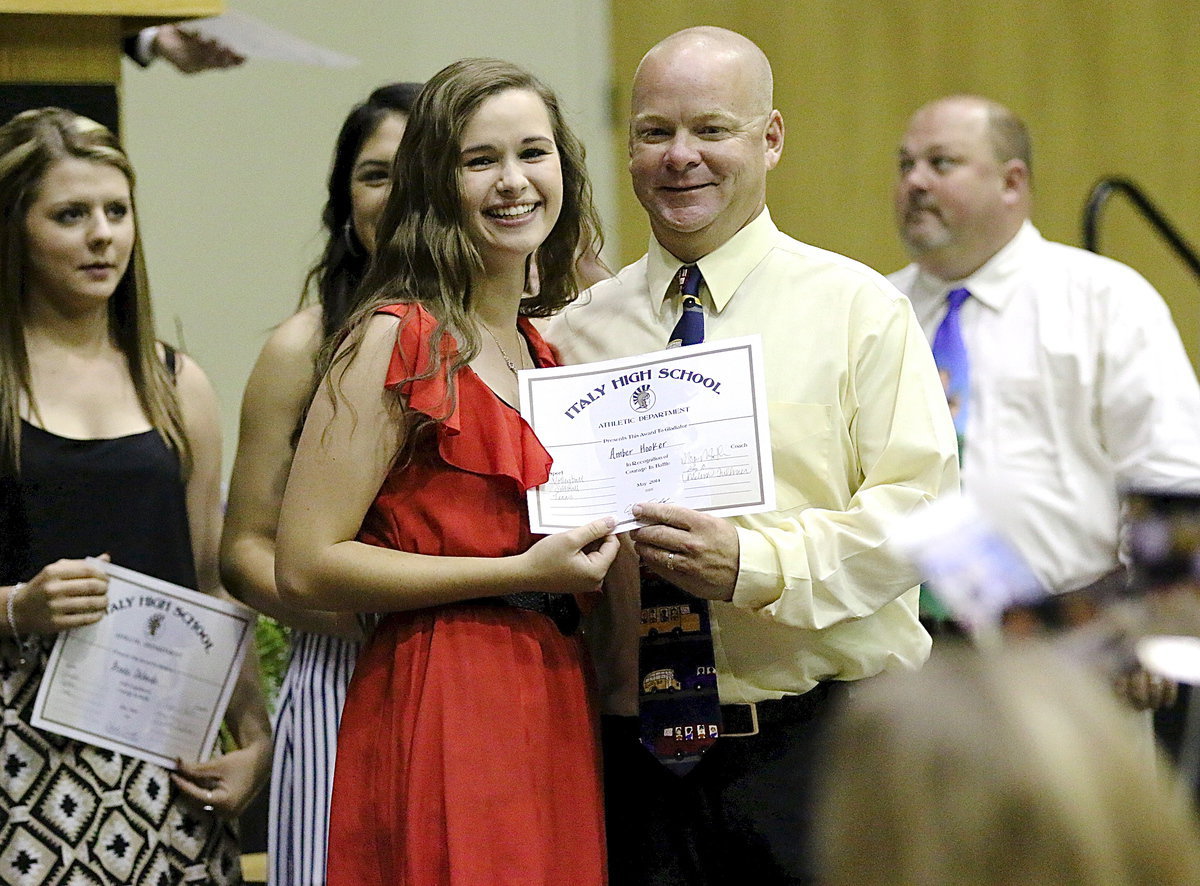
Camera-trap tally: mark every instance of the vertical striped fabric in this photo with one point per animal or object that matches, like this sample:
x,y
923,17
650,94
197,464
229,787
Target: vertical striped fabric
x,y
306,725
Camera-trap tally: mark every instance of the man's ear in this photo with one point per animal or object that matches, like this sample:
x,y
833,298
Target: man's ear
x,y
1016,180
774,139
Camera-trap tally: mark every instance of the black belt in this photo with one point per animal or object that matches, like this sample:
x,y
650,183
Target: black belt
x,y
562,609
744,720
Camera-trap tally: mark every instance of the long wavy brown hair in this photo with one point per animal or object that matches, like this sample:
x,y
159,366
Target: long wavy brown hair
x,y
424,252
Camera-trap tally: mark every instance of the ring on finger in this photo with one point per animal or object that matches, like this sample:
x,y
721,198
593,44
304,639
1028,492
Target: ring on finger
x,y
671,560
208,806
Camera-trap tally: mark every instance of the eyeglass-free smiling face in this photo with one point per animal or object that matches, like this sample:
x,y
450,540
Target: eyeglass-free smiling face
x,y
702,139
510,177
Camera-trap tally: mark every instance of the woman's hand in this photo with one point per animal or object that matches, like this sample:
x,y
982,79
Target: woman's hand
x,y
571,562
225,785
66,594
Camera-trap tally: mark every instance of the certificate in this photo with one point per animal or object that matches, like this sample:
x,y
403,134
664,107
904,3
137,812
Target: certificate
x,y
153,677
686,425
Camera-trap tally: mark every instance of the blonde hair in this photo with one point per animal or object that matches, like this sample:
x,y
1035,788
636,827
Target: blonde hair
x,y
30,144
1009,767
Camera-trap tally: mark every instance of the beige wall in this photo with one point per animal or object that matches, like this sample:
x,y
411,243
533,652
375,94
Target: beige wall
x,y
1107,86
231,164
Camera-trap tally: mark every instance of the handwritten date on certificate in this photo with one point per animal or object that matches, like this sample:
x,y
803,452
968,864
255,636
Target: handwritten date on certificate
x,y
687,425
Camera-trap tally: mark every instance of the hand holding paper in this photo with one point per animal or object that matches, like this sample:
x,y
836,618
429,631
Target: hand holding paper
x,y
574,561
698,553
64,594
251,38
153,677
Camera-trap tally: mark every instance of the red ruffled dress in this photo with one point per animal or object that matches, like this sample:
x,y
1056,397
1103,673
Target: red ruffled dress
x,y
467,753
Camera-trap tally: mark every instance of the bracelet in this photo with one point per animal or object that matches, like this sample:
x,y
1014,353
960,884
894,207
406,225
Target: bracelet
x,y
12,620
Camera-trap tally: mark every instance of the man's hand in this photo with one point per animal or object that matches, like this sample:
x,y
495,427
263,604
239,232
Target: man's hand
x,y
1144,691
192,53
693,551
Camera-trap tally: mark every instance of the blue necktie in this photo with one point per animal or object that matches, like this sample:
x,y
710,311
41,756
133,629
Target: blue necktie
x,y
690,328
950,355
678,706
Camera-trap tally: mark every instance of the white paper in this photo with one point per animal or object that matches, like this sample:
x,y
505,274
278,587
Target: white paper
x,y
252,38
153,677
686,425
1172,656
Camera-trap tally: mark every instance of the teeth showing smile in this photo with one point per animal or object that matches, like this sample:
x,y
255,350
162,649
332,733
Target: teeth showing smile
x,y
512,211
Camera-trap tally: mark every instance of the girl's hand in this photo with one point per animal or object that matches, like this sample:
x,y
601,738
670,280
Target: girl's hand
x,y
66,594
225,785
571,562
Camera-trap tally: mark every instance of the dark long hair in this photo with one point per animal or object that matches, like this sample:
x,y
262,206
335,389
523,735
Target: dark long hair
x,y
30,143
424,252
336,275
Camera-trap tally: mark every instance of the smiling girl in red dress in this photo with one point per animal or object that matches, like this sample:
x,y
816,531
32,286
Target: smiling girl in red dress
x,y
467,751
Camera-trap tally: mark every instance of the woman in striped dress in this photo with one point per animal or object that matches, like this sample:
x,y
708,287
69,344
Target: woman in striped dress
x,y
324,645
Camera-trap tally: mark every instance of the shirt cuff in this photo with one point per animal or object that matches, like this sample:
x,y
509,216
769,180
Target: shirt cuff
x,y
142,50
758,581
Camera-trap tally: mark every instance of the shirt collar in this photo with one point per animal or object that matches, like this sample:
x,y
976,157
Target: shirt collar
x,y
723,269
992,283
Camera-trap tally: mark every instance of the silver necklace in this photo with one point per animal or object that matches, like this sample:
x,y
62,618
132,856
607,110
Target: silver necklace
x,y
512,367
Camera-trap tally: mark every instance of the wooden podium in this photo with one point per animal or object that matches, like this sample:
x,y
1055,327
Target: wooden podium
x,y
68,52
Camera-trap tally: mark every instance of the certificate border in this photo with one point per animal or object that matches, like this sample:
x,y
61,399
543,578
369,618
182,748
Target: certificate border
x,y
214,605
720,346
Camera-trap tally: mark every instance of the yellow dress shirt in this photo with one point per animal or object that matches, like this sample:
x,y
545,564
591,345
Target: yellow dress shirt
x,y
860,436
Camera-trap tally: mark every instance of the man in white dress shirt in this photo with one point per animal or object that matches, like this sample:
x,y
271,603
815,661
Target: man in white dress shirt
x,y
810,596
1078,381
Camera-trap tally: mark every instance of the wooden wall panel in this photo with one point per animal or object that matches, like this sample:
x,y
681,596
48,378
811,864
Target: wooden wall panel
x,y
1107,87
164,9
60,49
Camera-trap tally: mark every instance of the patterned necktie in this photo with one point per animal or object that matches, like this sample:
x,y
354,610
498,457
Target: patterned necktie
x,y
678,706
950,355
690,328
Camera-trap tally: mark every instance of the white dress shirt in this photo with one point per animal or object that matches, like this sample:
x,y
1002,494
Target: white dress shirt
x,y
860,437
1079,386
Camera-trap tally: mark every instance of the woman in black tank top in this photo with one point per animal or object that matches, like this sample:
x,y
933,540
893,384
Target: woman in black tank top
x,y
110,448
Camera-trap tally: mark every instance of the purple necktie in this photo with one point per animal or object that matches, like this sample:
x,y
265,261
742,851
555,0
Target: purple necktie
x,y
950,355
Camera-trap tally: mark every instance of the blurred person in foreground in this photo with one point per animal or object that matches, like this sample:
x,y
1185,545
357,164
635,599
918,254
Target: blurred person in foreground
x,y
998,768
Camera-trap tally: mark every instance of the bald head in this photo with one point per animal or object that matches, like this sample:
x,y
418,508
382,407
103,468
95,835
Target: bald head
x,y
702,138
1005,131
721,46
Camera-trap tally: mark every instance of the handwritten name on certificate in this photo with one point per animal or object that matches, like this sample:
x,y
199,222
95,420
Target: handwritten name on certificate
x,y
153,677
686,425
